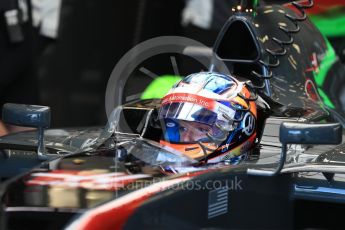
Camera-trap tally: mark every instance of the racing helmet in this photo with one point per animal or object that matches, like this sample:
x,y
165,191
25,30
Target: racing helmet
x,y
209,117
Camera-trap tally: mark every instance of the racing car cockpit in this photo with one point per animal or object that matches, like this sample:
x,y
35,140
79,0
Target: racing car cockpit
x,y
208,117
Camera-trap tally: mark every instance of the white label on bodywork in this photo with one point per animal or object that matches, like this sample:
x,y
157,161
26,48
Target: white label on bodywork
x,y
217,202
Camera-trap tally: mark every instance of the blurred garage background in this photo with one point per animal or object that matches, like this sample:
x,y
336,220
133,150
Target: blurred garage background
x,y
73,70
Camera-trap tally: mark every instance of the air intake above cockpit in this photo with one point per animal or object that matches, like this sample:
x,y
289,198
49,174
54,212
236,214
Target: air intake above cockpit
x,y
236,42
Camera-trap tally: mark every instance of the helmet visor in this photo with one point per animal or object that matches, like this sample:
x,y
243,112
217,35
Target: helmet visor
x,y
185,122
188,112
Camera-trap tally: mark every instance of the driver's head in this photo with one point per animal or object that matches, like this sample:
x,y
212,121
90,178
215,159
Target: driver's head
x,y
204,117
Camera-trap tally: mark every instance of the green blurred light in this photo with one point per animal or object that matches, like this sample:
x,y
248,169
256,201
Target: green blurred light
x,y
159,87
255,4
330,26
325,65
326,99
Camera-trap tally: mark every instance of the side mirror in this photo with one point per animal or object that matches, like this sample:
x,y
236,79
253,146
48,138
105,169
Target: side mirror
x,y
303,133
29,116
26,115
320,134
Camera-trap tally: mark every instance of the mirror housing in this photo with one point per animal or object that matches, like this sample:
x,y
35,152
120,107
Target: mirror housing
x,y
29,116
302,133
26,115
